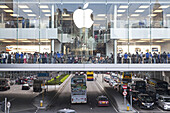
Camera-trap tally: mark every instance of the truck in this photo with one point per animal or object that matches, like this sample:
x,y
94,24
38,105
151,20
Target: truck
x,y
37,85
78,89
4,84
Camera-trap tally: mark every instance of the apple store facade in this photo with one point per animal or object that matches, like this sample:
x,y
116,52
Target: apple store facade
x,y
85,27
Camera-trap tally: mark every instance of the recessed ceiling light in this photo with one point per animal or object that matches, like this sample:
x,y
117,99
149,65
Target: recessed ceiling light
x,y
168,15
43,6
47,14
31,14
21,39
27,10
152,15
120,11
121,41
140,41
158,11
123,6
46,41
144,6
14,14
3,6
139,10
23,6
119,14
9,11
7,41
164,6
27,41
65,15
135,15
159,41
46,11
101,15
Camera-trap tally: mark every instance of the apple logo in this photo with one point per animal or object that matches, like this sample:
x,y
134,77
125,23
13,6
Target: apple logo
x,y
82,17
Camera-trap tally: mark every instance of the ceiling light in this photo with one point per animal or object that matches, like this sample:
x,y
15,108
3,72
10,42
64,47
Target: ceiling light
x,y
145,39
9,11
121,41
27,41
46,41
21,39
47,14
120,11
119,14
152,15
41,39
123,6
23,6
166,39
168,15
140,41
139,10
101,15
2,39
159,41
31,14
135,15
43,6
14,14
3,6
7,41
164,6
158,11
143,6
65,15
27,11
46,11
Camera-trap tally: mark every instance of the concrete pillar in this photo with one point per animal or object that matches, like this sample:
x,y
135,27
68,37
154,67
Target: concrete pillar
x,y
52,45
115,51
109,48
52,16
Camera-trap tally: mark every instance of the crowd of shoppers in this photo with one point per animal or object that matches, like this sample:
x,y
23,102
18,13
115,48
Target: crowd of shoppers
x,y
57,57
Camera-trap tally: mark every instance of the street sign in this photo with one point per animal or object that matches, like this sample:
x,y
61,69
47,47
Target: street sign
x,y
8,105
124,87
124,93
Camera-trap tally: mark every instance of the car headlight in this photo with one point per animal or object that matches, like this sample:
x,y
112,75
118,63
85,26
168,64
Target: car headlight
x,y
152,103
143,103
165,105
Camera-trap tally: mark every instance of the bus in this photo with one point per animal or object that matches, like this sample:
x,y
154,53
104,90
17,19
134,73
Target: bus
x,y
157,87
124,78
90,76
78,89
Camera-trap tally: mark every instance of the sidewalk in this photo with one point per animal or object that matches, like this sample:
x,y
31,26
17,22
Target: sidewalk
x,y
46,96
122,108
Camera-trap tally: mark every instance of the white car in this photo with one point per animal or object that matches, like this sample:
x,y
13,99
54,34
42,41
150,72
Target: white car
x,y
164,102
66,111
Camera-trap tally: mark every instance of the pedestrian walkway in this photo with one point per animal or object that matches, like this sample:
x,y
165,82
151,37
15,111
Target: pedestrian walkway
x,y
118,98
45,96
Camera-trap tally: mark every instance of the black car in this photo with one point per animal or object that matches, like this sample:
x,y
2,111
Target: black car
x,y
145,101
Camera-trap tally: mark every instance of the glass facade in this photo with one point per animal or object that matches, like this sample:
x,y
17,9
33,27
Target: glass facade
x,y
50,31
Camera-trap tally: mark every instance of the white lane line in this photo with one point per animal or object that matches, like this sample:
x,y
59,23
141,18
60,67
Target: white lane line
x,y
160,109
108,96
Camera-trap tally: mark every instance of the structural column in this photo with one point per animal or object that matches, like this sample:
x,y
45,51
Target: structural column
x,y
115,51
52,45
52,16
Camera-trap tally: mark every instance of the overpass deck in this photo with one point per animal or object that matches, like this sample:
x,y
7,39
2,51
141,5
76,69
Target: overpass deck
x,y
84,67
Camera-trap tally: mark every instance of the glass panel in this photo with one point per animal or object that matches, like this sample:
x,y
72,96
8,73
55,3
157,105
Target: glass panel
x,y
139,31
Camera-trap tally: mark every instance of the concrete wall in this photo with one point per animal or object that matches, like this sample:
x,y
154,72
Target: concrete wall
x,y
57,46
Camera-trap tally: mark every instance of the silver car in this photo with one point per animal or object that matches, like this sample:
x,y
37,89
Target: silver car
x,y
164,102
66,111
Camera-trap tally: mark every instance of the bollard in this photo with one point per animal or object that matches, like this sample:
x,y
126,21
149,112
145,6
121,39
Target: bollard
x,y
127,107
41,103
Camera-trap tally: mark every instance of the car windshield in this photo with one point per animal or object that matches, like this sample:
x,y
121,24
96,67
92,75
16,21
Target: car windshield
x,y
103,99
146,98
162,85
167,99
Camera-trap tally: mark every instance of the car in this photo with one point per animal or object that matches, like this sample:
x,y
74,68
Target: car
x,y
145,101
112,83
164,102
66,111
102,101
106,79
135,96
25,87
30,82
